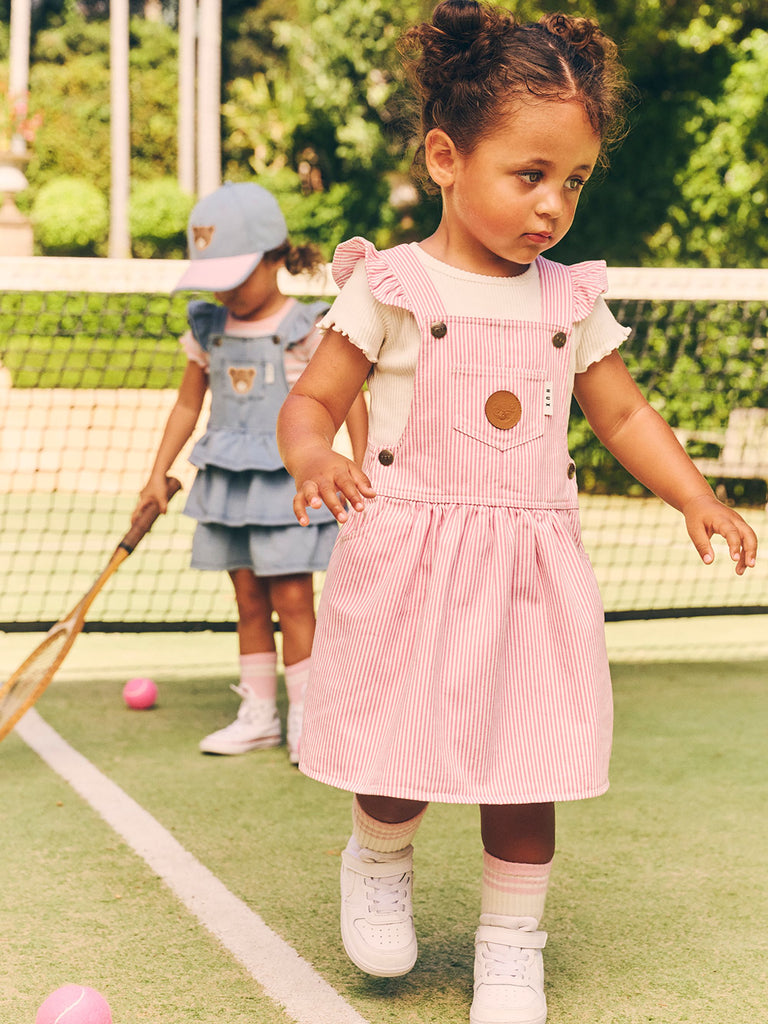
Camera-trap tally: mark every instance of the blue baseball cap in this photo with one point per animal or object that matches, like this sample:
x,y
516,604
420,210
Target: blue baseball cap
x,y
228,233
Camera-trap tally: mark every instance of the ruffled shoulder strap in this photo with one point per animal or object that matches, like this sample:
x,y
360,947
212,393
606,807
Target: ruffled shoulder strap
x,y
380,268
589,279
205,319
299,321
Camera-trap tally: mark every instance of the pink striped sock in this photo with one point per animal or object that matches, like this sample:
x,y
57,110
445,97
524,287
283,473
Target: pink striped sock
x,y
381,836
296,677
258,674
514,890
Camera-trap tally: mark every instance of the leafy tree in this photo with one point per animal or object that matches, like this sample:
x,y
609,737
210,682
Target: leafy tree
x,y
326,105
679,55
70,73
718,218
248,43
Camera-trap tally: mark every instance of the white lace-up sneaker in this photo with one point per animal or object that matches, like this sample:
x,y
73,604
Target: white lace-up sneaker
x,y
293,730
376,910
256,727
509,972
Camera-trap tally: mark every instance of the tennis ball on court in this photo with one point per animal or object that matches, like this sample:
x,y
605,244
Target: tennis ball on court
x,y
140,693
74,1004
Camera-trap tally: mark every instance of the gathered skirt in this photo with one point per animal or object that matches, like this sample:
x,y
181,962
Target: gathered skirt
x,y
460,657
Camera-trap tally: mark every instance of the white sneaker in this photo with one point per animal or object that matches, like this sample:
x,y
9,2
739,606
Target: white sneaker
x,y
256,727
376,910
509,972
293,730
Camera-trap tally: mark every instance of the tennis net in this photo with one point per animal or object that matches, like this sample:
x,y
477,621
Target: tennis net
x,y
90,364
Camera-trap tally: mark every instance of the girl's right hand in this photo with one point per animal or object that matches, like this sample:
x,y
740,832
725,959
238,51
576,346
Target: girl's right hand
x,y
328,477
153,491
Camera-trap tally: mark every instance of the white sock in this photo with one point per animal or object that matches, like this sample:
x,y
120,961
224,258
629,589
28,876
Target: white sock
x,y
382,836
514,890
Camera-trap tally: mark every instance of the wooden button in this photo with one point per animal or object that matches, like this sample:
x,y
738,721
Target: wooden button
x,y
439,330
571,470
386,458
559,339
503,410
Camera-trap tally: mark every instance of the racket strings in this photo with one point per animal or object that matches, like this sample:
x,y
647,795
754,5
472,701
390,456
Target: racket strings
x,y
32,673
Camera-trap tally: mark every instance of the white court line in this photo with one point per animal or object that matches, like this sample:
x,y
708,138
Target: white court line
x,y
284,975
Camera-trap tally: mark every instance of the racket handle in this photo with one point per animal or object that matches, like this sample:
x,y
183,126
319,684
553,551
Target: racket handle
x,y
144,523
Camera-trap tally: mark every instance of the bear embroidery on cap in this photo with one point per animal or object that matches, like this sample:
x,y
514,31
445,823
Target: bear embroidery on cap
x,y
203,236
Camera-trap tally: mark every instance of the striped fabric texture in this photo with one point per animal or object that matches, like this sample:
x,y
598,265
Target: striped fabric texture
x,y
459,653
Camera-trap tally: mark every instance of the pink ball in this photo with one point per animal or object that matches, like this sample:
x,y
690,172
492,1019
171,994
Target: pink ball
x,y
140,693
74,1004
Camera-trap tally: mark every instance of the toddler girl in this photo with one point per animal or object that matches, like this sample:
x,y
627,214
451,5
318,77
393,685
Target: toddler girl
x,y
460,651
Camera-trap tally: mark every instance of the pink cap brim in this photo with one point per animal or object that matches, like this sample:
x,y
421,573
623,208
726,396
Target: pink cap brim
x,y
220,274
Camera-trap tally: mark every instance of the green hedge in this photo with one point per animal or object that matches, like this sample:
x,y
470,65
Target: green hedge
x,y
159,212
70,217
90,340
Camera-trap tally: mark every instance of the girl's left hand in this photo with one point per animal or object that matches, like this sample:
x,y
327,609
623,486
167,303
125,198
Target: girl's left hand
x,y
705,516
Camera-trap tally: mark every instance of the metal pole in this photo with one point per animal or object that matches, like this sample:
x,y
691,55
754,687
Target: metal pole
x,y
187,62
209,97
119,235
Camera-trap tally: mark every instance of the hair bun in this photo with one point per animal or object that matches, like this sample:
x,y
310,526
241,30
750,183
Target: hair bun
x,y
460,19
583,34
465,37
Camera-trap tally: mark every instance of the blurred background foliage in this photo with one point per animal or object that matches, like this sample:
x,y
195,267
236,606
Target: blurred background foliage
x,y
314,106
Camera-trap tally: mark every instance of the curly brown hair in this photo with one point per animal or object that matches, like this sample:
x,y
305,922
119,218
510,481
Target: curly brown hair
x,y
297,258
474,60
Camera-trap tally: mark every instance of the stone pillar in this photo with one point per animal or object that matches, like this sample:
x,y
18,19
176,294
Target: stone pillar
x,y
15,229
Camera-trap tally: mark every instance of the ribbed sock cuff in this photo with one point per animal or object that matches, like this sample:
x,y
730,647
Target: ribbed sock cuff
x,y
258,674
514,890
296,679
381,836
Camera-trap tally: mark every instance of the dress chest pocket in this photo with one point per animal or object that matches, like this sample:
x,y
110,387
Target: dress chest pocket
x,y
503,407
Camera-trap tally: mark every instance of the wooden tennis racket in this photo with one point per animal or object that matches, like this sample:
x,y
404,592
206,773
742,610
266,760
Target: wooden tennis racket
x,y
29,681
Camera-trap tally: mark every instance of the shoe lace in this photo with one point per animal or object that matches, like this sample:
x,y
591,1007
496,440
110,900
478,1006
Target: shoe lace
x,y
387,895
509,962
249,709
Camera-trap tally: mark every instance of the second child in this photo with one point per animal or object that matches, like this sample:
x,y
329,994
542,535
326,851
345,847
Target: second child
x,y
249,347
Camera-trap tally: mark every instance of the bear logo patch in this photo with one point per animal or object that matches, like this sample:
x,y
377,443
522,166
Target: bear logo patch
x,y
242,378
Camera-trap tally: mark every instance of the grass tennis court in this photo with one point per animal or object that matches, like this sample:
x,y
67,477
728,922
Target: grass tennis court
x,y
659,896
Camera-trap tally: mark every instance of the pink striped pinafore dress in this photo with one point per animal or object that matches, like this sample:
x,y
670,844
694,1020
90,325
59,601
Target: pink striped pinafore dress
x,y
460,654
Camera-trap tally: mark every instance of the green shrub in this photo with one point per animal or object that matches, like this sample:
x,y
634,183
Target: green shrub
x,y
158,216
70,217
